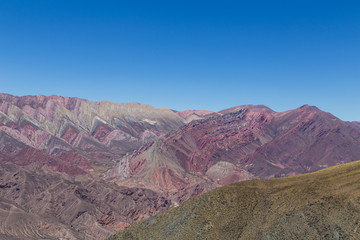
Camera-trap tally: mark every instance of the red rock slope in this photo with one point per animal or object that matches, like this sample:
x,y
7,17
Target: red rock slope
x,y
53,153
87,134
76,169
246,142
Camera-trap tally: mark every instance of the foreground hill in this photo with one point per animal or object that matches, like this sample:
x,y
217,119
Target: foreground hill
x,y
320,205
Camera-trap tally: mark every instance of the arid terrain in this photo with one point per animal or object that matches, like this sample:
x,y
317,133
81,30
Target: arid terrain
x,y
241,143
72,168
320,205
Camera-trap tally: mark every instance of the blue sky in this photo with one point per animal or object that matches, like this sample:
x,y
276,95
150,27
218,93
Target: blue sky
x,y
185,54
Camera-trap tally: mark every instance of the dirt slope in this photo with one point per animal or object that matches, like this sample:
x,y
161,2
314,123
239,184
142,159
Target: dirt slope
x,y
320,205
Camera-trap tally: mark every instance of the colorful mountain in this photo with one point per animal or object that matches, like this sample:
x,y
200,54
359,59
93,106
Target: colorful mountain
x,y
241,143
78,169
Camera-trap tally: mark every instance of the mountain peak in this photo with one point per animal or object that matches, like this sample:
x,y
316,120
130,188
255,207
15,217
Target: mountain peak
x,y
254,108
309,108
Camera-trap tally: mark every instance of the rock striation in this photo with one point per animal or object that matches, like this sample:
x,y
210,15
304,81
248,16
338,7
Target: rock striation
x,y
78,169
39,203
242,143
92,134
53,154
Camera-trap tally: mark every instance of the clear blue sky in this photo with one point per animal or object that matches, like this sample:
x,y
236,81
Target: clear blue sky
x,y
184,54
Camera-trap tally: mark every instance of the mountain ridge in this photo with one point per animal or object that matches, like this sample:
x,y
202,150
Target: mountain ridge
x,y
246,142
154,159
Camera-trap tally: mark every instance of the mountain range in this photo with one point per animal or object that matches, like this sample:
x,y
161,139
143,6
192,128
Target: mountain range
x,y
241,143
77,169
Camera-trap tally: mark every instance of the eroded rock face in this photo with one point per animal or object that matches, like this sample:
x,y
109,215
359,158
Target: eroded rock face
x,y
101,132
53,153
83,169
246,142
39,203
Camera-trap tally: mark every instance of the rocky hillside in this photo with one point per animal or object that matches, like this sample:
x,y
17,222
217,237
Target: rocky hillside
x,y
320,205
95,133
241,143
39,203
78,169
53,154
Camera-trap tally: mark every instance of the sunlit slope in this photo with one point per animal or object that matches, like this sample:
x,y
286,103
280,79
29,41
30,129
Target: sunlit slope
x,y
320,205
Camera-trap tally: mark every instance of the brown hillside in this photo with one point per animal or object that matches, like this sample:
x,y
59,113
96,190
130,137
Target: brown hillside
x,y
320,205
